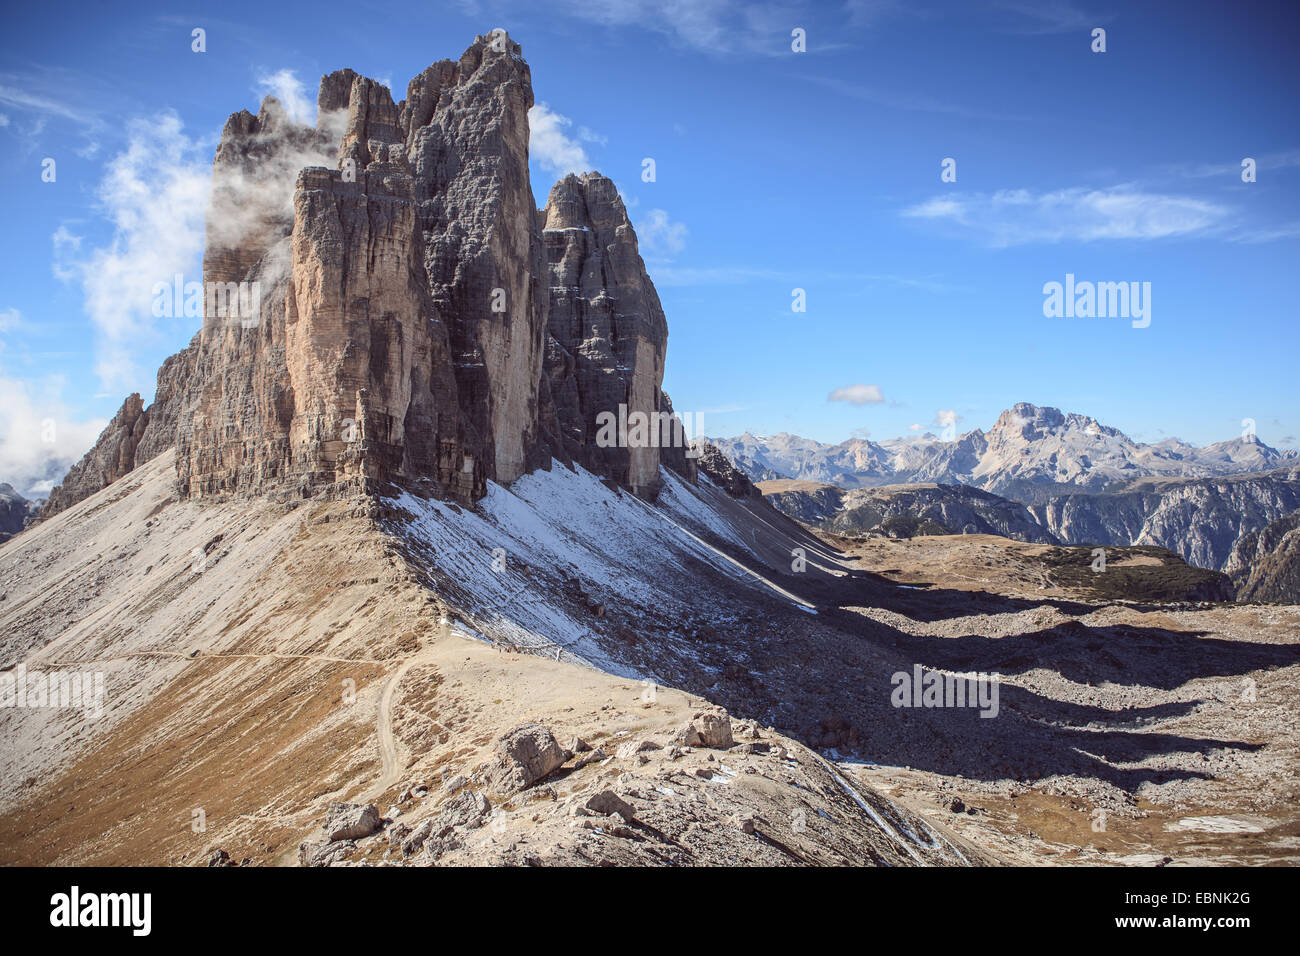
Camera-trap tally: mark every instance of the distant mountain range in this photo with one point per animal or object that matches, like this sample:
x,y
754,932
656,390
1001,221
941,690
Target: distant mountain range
x,y
1041,475
1030,453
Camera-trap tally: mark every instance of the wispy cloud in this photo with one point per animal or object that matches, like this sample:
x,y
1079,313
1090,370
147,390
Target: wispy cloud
x,y
1047,16
718,27
1019,216
285,86
658,236
1231,170
551,145
17,98
154,193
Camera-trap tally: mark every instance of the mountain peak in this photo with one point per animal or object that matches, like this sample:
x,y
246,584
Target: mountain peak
x,y
394,311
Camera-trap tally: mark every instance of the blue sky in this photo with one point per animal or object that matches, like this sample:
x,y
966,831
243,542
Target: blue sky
x,y
775,170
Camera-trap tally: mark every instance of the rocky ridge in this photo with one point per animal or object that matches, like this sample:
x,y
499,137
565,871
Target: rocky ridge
x,y
903,510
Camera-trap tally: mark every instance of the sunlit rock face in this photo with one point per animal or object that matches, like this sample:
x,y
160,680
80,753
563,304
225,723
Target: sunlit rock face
x,y
383,303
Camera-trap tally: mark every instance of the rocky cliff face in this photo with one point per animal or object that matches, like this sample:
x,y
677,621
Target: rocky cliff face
x,y
1201,520
607,334
377,307
1265,564
401,330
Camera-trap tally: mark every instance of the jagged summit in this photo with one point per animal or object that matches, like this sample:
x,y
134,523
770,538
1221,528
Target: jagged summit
x,y
376,304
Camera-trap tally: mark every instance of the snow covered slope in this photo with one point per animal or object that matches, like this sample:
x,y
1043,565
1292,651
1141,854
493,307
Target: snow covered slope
x,y
566,564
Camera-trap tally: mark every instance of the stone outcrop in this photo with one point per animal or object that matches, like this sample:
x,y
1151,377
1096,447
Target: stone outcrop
x,y
706,729
376,306
607,335
401,330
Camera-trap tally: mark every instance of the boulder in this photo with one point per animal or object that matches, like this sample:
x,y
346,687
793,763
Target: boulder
x,y
525,755
706,730
351,821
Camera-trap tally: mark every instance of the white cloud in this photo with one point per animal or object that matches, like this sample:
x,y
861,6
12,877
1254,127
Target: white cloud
x,y
4,120
285,86
659,236
946,417
38,441
155,193
551,146
915,427
857,395
1017,216
591,136
10,319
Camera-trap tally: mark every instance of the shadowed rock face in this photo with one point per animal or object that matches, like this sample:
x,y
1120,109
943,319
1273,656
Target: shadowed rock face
x,y
15,511
376,306
608,334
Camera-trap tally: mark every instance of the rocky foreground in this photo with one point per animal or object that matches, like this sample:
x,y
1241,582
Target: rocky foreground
x,y
326,683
